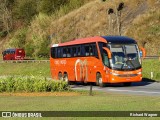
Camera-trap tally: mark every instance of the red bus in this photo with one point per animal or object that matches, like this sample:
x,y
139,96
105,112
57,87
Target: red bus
x,y
106,59
13,54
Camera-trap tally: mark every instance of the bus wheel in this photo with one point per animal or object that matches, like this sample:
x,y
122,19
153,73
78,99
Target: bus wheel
x,y
127,84
60,76
65,77
99,80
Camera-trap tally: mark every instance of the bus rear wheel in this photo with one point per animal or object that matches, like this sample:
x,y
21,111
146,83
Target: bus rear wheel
x,y
60,77
99,80
65,78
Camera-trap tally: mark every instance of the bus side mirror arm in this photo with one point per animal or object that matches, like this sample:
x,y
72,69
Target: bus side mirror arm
x,y
109,52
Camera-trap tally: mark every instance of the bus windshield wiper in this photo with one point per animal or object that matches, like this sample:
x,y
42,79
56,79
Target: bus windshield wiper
x,y
131,63
125,63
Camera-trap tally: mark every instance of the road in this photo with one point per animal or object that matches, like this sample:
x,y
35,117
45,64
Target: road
x,y
141,88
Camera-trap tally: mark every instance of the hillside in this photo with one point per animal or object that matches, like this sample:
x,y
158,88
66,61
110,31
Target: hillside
x,y
140,20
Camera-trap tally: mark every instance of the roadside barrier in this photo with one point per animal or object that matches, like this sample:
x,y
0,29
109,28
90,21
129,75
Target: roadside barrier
x,y
24,61
45,61
152,57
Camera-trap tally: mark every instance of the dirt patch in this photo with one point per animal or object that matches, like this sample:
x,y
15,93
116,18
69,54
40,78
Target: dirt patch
x,y
41,94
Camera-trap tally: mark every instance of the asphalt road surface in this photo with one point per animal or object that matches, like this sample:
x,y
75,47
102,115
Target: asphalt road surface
x,y
140,88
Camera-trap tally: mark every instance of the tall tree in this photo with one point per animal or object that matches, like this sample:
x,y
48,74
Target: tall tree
x,y
6,15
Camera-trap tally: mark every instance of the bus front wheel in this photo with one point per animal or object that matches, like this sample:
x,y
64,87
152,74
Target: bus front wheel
x,y
99,80
60,77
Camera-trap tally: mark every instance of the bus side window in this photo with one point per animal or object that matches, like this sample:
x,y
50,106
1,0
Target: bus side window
x,y
53,51
68,51
105,58
95,51
86,50
74,52
7,52
79,51
59,53
64,53
91,50
12,52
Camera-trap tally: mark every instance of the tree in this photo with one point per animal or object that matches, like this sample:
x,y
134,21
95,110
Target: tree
x,y
6,16
25,9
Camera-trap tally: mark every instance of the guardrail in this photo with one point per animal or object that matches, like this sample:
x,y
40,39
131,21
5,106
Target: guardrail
x,y
152,57
40,61
23,61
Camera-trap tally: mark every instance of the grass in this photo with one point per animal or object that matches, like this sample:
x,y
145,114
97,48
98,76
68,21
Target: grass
x,y
99,102
151,66
25,69
43,69
82,103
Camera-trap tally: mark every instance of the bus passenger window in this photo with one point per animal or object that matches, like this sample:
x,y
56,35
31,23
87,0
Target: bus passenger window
x,y
59,53
68,51
91,51
86,50
79,51
74,54
53,52
64,52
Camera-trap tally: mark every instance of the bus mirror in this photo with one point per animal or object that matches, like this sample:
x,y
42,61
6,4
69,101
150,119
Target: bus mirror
x,y
108,51
142,52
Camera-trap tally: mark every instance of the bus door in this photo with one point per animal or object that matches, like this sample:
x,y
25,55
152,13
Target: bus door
x,y
106,56
79,64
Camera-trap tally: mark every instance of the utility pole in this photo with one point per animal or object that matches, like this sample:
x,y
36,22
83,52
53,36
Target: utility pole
x,y
117,11
110,23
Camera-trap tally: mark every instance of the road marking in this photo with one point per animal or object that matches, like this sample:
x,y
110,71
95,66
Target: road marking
x,y
133,91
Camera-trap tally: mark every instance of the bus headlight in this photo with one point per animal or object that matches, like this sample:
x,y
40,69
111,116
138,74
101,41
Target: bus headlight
x,y
115,74
139,73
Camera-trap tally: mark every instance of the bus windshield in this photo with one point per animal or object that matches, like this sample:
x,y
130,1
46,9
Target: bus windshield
x,y
124,57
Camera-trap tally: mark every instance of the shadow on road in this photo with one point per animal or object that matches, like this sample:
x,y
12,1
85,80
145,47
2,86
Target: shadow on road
x,y
144,82
148,80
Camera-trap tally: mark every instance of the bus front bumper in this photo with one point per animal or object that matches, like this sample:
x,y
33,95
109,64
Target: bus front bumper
x,y
121,78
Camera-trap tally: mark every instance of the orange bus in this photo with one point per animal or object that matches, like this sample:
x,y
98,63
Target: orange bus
x,y
106,59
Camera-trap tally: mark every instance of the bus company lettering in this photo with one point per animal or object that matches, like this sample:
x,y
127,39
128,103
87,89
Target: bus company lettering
x,y
63,62
83,69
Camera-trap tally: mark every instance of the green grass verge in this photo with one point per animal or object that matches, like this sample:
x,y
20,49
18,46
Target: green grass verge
x,y
25,69
151,66
99,102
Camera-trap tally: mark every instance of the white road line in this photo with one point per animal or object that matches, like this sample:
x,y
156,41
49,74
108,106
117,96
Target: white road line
x,y
133,91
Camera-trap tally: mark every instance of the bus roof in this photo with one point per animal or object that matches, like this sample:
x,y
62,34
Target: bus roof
x,y
82,41
105,39
13,49
119,39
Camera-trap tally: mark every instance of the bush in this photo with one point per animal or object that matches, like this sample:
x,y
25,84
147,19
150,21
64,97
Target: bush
x,y
31,84
38,43
19,39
